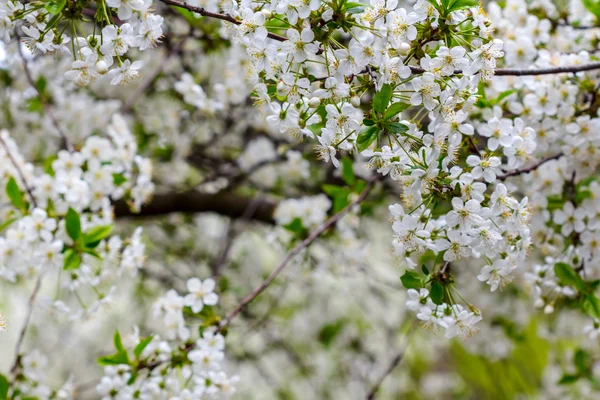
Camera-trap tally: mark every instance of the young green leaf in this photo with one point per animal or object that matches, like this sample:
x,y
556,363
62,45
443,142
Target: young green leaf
x,y
382,99
591,305
366,137
92,237
395,109
73,223
437,293
72,260
397,127
139,349
348,171
15,194
411,280
567,276
3,387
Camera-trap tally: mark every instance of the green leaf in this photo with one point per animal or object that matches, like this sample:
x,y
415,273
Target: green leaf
x,y
368,122
460,4
119,179
7,223
425,269
73,223
366,137
93,237
591,305
568,379
72,260
397,127
568,277
3,387
118,342
437,293
328,332
114,359
593,7
583,362
339,195
296,226
139,349
348,171
15,194
412,280
382,99
55,6
395,109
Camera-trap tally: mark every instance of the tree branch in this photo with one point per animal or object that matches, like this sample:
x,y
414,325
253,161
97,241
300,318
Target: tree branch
x,y
224,203
295,251
23,332
415,70
531,168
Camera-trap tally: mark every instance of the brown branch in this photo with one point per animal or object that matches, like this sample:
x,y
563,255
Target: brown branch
x,y
19,172
30,304
393,364
531,168
224,203
295,251
208,14
415,70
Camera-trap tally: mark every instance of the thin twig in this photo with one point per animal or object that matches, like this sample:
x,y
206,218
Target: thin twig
x,y
208,14
298,249
415,70
19,172
393,364
531,168
30,304
65,141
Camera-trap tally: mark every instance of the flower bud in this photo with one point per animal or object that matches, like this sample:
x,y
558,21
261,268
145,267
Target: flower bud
x,y
355,101
101,67
314,102
266,13
281,88
404,48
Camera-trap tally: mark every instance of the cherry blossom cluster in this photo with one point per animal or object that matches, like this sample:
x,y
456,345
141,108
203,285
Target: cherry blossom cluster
x,y
61,217
564,114
187,364
54,27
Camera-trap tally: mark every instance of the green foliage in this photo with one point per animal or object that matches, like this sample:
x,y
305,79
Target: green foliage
x,y
340,196
394,109
412,280
296,227
72,260
518,375
4,385
93,237
329,332
366,137
568,277
593,7
139,349
73,224
120,357
382,99
55,6
16,195
348,171
437,292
